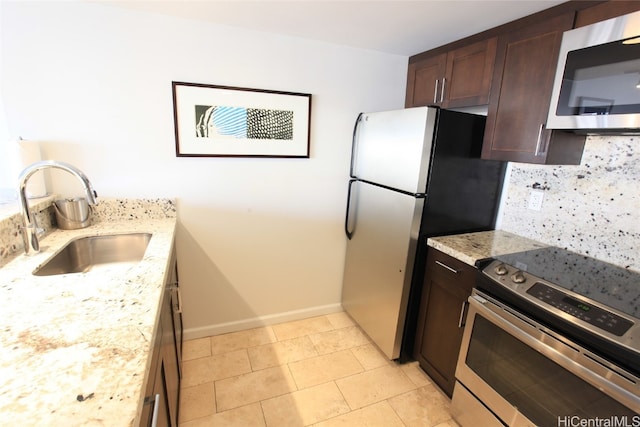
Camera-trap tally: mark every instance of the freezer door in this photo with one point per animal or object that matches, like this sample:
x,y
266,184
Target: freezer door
x,y
393,148
384,228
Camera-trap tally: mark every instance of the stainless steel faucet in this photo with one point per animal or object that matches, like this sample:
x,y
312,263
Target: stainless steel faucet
x,y
30,227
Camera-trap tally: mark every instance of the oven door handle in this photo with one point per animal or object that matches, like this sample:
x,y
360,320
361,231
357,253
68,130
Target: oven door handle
x,y
521,328
571,357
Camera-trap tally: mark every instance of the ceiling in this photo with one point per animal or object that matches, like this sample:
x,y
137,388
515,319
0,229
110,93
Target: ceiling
x,y
396,27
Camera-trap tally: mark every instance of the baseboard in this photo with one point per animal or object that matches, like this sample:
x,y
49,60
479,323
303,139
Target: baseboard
x,y
260,321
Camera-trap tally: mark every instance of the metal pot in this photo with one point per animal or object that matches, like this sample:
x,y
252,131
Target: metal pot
x,y
72,214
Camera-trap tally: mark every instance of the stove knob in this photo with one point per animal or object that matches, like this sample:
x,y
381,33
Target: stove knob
x,y
501,270
518,277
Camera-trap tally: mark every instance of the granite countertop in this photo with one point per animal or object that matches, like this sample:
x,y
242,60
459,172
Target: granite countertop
x,y
471,247
75,348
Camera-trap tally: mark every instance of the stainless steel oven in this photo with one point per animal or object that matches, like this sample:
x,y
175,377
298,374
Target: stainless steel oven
x,y
535,353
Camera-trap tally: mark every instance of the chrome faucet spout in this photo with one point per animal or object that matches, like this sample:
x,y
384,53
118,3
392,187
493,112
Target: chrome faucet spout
x,y
30,227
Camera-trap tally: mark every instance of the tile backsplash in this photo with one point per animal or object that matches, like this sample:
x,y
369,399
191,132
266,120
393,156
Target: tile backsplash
x,y
591,208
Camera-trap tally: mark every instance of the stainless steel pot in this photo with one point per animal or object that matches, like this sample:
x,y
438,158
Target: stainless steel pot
x,y
72,214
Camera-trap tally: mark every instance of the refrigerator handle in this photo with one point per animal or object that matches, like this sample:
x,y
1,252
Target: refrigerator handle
x,y
348,232
353,147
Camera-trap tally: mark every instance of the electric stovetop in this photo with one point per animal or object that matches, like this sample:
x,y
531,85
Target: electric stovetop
x,y
613,286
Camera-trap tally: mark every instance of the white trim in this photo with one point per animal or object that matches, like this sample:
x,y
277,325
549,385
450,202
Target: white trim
x,y
260,321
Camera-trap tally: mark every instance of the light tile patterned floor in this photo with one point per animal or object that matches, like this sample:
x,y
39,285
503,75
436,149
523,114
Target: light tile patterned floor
x,y
321,372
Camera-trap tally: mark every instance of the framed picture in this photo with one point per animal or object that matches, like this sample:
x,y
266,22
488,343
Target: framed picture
x,y
224,121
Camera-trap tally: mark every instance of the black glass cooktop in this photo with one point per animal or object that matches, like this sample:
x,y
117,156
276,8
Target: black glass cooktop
x,y
605,283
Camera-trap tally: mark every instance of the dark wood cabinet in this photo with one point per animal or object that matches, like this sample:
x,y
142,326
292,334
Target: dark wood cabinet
x,y
522,82
163,386
458,78
607,10
447,286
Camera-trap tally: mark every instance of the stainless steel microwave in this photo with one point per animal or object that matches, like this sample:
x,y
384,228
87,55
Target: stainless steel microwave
x,y
597,82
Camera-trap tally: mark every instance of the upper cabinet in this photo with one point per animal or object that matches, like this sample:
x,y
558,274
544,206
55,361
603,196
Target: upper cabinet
x,y
606,10
522,82
510,69
457,78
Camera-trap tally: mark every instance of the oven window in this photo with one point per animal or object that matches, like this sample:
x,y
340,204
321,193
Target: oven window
x,y
540,389
602,79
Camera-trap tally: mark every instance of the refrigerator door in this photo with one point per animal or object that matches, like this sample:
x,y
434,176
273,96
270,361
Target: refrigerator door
x,y
384,227
393,148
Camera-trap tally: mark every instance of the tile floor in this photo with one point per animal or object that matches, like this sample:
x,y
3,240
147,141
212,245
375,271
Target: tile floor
x,y
321,372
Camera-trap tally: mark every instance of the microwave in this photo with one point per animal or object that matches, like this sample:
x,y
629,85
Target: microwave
x,y
597,82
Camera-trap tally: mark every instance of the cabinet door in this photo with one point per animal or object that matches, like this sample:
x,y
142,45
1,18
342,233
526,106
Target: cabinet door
x,y
469,73
162,417
424,81
170,373
150,391
447,285
176,308
522,82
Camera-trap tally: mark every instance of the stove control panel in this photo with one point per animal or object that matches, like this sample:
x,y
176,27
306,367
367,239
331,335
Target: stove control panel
x,y
591,314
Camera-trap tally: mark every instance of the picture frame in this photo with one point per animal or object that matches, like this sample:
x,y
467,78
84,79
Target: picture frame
x,y
227,121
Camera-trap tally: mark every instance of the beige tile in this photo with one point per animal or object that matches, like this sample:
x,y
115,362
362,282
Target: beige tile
x,y
298,328
339,339
245,416
208,369
197,402
377,415
340,320
415,373
370,357
253,387
305,407
281,353
373,386
195,349
448,423
243,339
230,364
423,407
329,367
196,372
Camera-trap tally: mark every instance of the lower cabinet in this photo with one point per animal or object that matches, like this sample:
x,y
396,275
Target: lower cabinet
x,y
162,395
447,286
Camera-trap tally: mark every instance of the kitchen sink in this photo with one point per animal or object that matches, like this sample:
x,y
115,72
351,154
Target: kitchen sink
x,y
89,253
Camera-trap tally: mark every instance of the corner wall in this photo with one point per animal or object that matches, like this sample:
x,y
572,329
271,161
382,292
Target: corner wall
x,y
259,240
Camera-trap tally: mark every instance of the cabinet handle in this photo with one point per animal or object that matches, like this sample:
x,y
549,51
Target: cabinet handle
x,y
538,151
461,320
177,308
435,92
156,405
444,84
443,265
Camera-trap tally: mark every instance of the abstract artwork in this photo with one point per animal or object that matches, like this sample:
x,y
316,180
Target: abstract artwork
x,y
223,121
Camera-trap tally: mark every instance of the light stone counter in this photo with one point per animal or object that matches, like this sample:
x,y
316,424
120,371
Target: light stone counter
x,y
86,334
471,247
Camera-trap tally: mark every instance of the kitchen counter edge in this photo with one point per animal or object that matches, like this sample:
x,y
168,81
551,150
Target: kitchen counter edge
x,y
472,247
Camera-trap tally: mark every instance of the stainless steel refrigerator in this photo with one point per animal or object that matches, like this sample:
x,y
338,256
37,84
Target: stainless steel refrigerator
x,y
415,173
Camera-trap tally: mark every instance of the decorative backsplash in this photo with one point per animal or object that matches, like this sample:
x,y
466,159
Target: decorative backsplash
x,y
11,240
592,208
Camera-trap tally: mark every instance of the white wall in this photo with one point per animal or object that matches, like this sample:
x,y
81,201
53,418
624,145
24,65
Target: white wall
x,y
259,240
